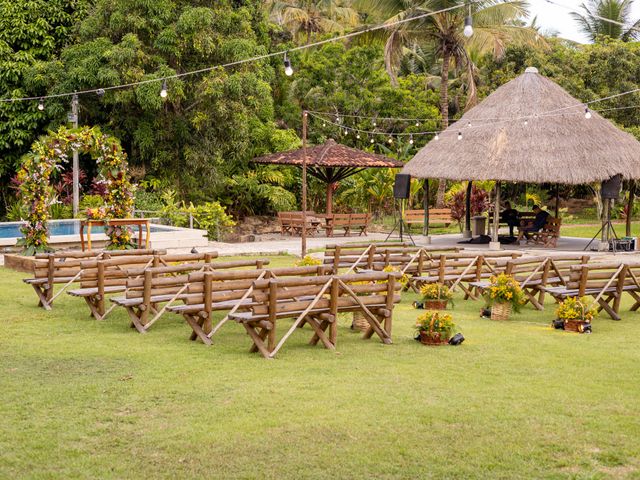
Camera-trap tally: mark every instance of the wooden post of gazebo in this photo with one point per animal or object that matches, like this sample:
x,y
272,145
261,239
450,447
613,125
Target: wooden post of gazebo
x,y
495,240
303,237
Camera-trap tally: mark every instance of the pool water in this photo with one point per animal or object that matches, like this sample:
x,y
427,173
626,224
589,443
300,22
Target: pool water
x,y
63,227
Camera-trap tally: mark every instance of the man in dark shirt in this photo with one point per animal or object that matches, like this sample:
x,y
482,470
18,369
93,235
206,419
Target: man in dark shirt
x,y
511,217
538,222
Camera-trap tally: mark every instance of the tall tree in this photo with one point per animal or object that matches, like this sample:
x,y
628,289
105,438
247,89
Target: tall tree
x,y
308,17
496,23
595,13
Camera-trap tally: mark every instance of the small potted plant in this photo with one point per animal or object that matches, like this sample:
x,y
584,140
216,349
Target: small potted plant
x,y
308,261
576,314
435,296
435,327
503,295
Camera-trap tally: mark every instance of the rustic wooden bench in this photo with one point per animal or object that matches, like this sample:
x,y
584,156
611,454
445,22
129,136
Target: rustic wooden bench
x,y
549,235
167,285
436,216
291,223
317,301
64,268
101,277
536,274
464,268
358,255
216,291
606,282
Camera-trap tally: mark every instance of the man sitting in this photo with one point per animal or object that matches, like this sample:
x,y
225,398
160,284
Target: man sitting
x,y
539,222
511,217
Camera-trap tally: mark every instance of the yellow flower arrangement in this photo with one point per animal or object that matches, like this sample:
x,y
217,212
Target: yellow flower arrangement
x,y
308,261
504,289
436,291
581,309
434,321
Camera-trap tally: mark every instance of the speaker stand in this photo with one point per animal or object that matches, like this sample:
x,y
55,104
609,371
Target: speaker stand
x,y
605,224
400,225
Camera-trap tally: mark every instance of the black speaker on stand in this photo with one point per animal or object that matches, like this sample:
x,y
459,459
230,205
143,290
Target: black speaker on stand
x,y
401,191
609,190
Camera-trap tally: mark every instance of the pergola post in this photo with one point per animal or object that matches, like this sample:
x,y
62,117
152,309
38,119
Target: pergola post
x,y
467,213
632,192
495,241
557,200
330,198
425,205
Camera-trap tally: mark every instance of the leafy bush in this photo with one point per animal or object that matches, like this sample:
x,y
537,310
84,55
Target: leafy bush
x,y
91,201
60,211
479,203
17,211
211,216
148,201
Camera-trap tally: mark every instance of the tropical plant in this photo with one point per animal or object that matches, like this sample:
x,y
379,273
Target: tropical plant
x,y
607,18
479,203
504,288
263,189
495,24
308,17
436,322
211,216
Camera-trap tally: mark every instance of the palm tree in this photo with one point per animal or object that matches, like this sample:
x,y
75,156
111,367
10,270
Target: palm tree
x,y
313,16
496,23
593,25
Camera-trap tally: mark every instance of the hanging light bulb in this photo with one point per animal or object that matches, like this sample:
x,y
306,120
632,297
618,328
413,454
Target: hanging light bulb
x,y
346,132
417,124
338,120
371,140
468,24
468,124
41,104
324,124
410,139
288,70
526,122
358,136
587,113
163,92
437,137
390,141
459,135
375,124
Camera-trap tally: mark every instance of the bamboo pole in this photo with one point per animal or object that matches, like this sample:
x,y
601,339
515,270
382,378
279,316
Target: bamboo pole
x,y
303,240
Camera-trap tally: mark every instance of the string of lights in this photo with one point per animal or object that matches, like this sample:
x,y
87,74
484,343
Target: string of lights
x,y
284,53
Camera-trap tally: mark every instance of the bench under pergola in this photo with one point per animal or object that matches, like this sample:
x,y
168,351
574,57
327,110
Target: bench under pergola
x,y
331,163
529,130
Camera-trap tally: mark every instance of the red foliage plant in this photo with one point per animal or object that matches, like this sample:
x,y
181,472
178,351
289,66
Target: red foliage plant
x,y
479,203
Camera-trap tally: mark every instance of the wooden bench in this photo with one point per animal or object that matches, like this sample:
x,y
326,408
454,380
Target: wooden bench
x,y
64,268
436,216
606,282
215,291
536,274
167,285
358,223
464,268
317,301
101,277
291,223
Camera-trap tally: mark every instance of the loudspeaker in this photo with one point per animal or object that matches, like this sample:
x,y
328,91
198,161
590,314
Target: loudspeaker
x,y
611,188
401,186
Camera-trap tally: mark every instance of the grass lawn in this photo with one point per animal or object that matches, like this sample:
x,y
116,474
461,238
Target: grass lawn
x,y
590,231
87,399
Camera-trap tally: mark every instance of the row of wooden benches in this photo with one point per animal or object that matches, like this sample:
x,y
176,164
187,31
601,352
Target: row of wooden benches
x,y
292,223
151,283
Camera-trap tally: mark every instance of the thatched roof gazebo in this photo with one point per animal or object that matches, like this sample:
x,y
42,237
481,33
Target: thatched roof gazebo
x,y
529,130
330,163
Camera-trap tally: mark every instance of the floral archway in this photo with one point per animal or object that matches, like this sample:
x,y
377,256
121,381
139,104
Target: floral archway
x,y
47,155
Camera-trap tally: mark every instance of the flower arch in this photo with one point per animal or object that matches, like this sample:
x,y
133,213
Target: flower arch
x,y
47,155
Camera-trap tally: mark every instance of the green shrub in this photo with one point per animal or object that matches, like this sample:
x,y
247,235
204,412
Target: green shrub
x,y
90,201
60,211
211,216
17,211
148,201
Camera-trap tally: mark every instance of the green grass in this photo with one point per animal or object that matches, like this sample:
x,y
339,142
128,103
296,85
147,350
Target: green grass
x,y
591,230
87,399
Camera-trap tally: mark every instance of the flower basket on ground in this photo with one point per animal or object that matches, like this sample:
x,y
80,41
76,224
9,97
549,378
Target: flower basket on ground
x,y
576,314
435,327
360,321
504,295
435,296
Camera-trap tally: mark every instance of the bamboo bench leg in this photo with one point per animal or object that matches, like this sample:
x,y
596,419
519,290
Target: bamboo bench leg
x,y
43,296
195,321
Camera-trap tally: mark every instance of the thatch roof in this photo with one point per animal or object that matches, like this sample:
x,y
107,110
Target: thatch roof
x,y
561,147
330,154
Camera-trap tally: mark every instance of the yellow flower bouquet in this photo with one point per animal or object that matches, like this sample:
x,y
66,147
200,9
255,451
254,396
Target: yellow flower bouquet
x,y
576,313
435,328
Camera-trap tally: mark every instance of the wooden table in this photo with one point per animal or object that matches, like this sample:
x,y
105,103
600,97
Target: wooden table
x,y
140,222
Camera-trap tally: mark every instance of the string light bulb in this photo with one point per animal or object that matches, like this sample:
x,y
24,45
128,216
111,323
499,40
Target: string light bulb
x,y
390,141
371,140
346,132
526,122
587,113
410,139
417,124
41,105
437,137
468,24
358,136
468,124
163,92
288,70
375,124
459,135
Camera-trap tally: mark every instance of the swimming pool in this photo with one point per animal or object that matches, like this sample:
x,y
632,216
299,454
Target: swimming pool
x,y
62,227
66,234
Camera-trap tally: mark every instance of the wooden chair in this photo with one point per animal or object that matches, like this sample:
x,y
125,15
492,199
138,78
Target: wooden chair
x,y
359,222
64,268
318,301
167,285
548,236
215,291
102,277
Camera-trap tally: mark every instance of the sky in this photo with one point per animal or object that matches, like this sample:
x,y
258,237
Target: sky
x,y
551,17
